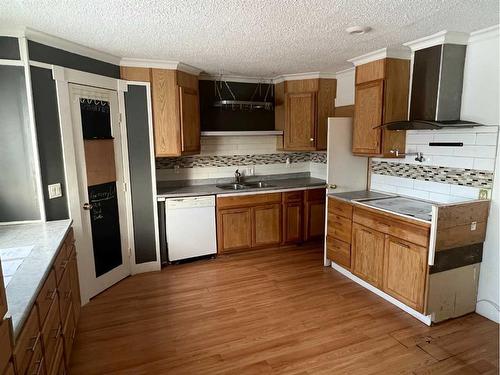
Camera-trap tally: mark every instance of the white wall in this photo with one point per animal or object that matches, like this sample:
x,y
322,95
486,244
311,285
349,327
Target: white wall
x,y
481,103
345,87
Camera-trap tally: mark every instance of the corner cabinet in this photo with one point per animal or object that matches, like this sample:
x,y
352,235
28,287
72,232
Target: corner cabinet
x,y
302,108
176,109
381,96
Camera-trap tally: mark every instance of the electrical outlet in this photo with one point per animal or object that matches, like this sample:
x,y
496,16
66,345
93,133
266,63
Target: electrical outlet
x,y
484,193
55,191
473,225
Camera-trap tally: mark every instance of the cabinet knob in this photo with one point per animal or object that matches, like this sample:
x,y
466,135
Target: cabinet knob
x,y
311,139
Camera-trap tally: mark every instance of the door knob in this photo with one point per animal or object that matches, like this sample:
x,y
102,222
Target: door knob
x,y
332,186
87,206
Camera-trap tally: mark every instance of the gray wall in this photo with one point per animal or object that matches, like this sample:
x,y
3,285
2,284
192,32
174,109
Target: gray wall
x,y
9,48
49,141
18,193
56,56
140,173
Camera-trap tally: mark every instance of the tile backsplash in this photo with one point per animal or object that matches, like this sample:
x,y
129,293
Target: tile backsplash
x,y
448,174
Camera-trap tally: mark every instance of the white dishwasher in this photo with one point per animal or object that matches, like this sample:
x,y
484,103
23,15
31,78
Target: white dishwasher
x,y
190,227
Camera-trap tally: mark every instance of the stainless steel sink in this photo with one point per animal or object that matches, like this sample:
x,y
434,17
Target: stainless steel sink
x,y
259,185
233,186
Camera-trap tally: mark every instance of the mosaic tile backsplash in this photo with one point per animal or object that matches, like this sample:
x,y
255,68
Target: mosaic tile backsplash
x,y
239,160
446,175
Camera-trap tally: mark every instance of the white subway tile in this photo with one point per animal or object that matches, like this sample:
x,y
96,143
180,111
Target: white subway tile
x,y
464,191
399,181
383,188
477,151
419,138
440,198
377,178
413,193
487,139
449,161
484,164
466,138
486,129
431,186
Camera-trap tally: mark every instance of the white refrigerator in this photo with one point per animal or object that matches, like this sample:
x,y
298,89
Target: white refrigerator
x,y
345,172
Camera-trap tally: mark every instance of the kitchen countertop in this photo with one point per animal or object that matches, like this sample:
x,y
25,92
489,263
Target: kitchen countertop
x,y
37,244
359,195
212,189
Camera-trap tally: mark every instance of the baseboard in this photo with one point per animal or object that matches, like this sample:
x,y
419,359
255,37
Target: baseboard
x,y
145,267
426,319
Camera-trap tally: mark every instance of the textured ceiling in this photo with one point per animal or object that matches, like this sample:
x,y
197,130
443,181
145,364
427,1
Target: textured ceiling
x,y
248,37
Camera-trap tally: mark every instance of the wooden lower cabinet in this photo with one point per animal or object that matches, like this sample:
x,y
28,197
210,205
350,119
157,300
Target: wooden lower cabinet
x,y
234,229
266,225
338,251
5,345
368,254
405,271
314,214
292,222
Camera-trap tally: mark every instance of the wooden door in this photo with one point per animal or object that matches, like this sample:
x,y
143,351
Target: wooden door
x,y
3,297
300,121
314,215
368,109
367,254
405,272
190,120
292,222
234,229
266,225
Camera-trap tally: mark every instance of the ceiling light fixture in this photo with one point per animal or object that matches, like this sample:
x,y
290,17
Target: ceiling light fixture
x,y
358,30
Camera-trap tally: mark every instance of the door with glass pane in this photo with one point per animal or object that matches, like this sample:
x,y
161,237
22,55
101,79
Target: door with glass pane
x,y
99,159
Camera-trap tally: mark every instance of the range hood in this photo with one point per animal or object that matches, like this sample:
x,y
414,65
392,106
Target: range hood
x,y
436,91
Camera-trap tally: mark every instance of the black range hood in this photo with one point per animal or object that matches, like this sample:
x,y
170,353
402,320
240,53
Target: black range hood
x,y
436,91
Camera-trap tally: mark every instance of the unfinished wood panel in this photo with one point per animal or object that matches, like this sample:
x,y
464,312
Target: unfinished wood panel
x,y
301,86
339,252
247,200
166,116
292,221
371,71
405,272
5,344
344,111
266,225
300,121
279,112
234,229
3,297
397,226
46,296
341,208
99,161
27,342
339,227
368,254
190,120
367,117
131,73
326,108
186,80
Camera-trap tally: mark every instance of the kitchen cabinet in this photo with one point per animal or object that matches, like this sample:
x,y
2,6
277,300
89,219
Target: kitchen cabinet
x,y
368,254
302,108
3,297
314,214
5,345
292,217
234,229
266,226
381,96
176,109
405,271
339,231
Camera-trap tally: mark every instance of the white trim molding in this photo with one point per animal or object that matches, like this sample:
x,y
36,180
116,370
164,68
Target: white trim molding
x,y
484,34
299,76
426,319
389,52
160,64
234,78
442,37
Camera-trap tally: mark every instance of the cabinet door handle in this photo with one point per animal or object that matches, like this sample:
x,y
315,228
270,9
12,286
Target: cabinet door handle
x,y
403,245
38,367
58,332
35,342
51,294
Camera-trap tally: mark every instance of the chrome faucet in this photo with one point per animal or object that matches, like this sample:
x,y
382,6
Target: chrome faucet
x,y
418,155
237,176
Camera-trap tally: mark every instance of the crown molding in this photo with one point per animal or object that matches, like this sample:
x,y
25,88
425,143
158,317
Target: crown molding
x,y
484,34
53,41
390,52
15,32
234,78
346,72
299,76
442,37
160,64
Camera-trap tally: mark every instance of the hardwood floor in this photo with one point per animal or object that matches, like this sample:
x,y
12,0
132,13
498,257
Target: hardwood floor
x,y
268,312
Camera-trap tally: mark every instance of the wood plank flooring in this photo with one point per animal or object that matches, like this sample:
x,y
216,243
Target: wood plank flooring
x,y
268,312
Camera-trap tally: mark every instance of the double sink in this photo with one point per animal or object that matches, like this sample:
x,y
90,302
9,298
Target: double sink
x,y
243,186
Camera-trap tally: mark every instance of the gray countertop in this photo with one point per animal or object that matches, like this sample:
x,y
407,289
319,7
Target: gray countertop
x,y
37,246
212,189
359,195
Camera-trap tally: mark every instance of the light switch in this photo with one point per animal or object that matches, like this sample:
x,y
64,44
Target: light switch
x,y
55,191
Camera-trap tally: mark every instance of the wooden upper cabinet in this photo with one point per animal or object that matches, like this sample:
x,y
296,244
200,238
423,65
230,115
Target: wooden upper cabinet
x,y
405,272
176,109
367,254
302,108
381,96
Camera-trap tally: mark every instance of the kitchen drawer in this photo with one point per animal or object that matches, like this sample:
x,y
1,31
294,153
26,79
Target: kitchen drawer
x,y
248,200
340,208
51,333
339,252
61,262
58,365
339,227
65,293
10,369
315,195
27,342
46,296
393,225
5,344
292,196
37,364
70,238
69,332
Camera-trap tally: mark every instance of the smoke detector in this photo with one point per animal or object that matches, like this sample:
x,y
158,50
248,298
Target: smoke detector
x,y
358,30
